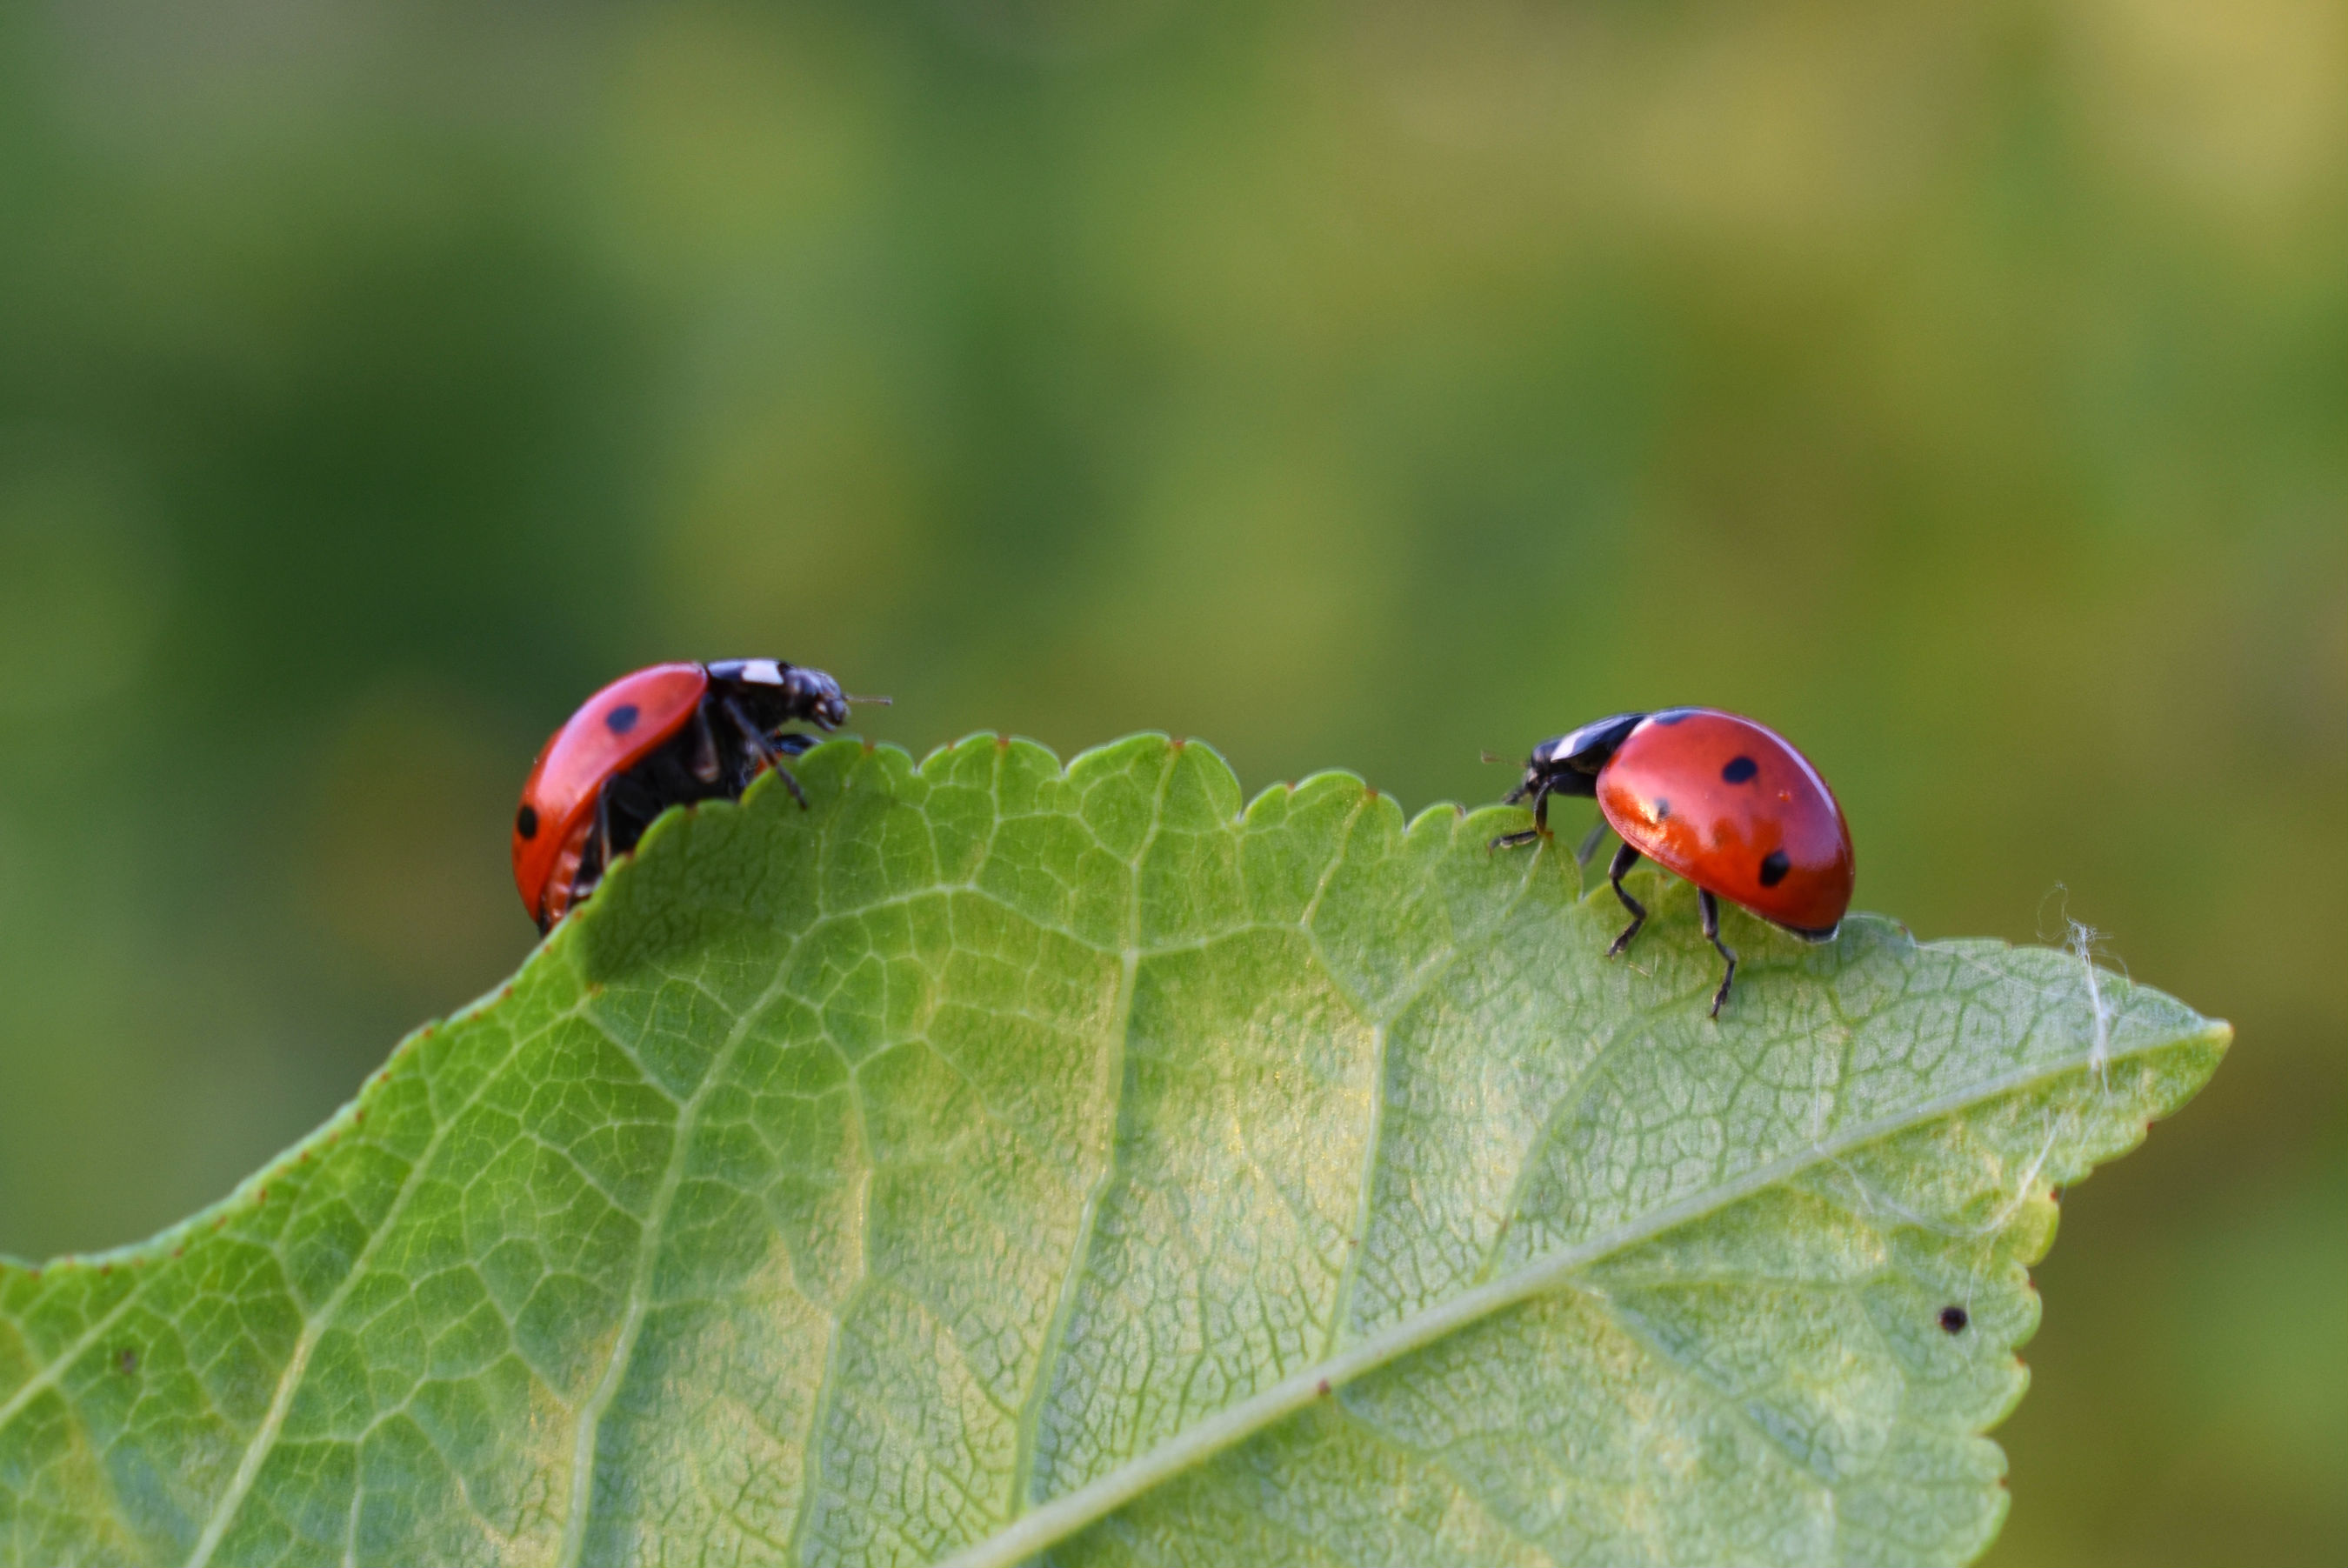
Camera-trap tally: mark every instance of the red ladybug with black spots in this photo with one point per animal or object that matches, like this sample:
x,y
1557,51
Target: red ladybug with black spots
x,y
1723,801
666,735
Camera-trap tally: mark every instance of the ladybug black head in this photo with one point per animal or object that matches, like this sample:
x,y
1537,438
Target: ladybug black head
x,y
819,697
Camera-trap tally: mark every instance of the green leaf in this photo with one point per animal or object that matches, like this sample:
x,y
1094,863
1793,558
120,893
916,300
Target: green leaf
x,y
998,1164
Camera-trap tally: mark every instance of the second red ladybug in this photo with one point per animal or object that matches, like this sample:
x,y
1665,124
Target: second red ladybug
x,y
666,735
1723,801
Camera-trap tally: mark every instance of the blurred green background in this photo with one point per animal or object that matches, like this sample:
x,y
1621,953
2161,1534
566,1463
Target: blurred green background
x,y
1963,388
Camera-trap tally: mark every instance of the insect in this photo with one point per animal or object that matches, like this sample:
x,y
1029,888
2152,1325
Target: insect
x,y
664,736
1726,803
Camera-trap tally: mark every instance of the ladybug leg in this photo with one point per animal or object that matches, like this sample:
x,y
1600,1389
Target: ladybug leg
x,y
595,855
1624,858
1538,830
704,762
765,749
1711,907
1590,843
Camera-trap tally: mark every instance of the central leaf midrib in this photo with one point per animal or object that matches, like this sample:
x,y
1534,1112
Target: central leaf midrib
x,y
1063,1517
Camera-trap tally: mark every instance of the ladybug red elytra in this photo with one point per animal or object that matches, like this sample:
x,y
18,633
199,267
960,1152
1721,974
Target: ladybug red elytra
x,y
666,736
1726,803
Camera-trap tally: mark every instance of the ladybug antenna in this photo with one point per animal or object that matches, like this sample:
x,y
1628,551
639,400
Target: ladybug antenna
x,y
869,701
1494,757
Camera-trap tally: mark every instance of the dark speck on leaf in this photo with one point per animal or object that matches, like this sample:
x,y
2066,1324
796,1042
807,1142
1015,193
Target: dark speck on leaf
x,y
1953,1319
126,1361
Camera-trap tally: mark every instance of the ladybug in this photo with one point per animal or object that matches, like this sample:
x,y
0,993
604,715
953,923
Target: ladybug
x,y
666,735
1726,803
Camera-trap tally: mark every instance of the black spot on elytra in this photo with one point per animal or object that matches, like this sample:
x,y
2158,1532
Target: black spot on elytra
x,y
1663,807
1774,867
1673,716
1739,769
621,719
526,822
1954,1319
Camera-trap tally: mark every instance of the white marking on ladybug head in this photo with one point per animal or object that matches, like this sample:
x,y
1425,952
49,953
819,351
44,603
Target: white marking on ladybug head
x,y
1590,748
762,672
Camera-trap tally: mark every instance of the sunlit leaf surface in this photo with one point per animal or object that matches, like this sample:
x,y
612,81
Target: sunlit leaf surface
x,y
1000,1162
